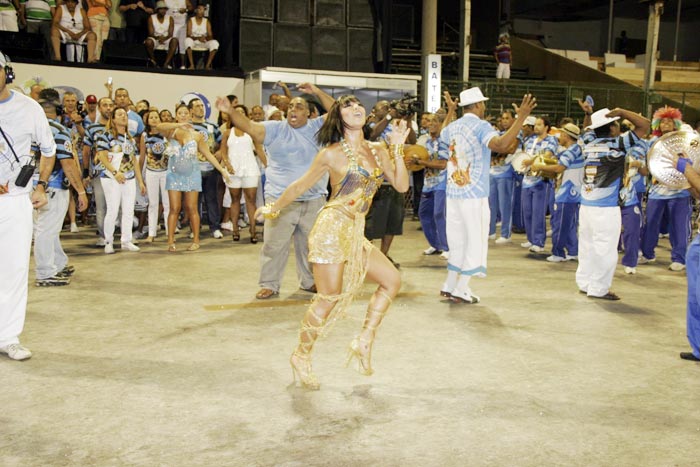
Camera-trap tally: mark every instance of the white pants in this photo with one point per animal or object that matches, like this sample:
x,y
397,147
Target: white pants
x,y
155,184
117,194
503,71
467,227
208,45
49,256
8,20
15,244
180,32
100,205
598,235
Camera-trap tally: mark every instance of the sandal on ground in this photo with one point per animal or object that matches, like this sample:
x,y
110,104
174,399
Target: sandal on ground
x,y
607,296
253,238
193,247
311,289
264,294
172,248
236,236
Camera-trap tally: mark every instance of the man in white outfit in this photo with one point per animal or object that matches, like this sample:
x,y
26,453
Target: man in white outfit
x,y
22,122
466,144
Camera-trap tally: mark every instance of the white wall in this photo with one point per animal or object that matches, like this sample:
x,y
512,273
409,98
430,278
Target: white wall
x,y
161,90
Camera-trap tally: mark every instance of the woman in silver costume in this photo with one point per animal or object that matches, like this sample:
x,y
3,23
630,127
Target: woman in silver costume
x,y
340,255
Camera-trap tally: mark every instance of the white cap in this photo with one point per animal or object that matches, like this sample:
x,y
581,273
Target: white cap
x,y
530,120
471,96
599,119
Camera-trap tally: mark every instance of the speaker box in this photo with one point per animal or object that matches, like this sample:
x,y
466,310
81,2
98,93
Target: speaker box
x,y
292,45
360,42
258,9
255,44
360,14
121,53
23,45
294,11
329,49
330,13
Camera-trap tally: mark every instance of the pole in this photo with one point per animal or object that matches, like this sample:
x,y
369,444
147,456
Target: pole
x,y
655,10
465,39
678,27
610,27
428,39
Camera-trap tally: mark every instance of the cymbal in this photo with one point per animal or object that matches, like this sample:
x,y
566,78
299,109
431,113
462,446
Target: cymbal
x,y
664,154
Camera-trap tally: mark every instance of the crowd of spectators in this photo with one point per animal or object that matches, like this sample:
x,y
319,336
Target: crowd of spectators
x,y
75,30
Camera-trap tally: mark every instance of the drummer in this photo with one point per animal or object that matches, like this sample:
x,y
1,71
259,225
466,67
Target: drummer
x,y
536,189
527,133
693,261
677,203
631,205
432,205
501,185
567,198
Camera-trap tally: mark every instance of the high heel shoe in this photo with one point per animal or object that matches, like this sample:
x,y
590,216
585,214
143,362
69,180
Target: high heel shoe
x,y
253,237
364,366
236,236
307,379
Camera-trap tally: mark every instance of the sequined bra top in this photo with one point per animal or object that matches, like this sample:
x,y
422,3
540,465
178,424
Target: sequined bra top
x,y
354,193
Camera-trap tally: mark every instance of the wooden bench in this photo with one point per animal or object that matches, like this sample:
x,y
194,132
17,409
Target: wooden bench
x,y
631,75
680,76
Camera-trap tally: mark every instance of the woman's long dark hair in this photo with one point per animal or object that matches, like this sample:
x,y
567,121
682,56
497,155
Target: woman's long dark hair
x,y
148,127
333,128
112,128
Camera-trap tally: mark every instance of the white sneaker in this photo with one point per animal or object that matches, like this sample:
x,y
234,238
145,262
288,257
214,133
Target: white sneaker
x,y
191,235
526,245
16,352
502,241
549,233
74,228
430,251
676,266
128,246
100,242
217,234
242,223
629,270
109,249
571,258
445,255
227,225
492,237
536,249
555,259
644,260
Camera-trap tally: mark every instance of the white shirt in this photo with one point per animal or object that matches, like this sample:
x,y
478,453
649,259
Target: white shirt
x,y
242,156
23,121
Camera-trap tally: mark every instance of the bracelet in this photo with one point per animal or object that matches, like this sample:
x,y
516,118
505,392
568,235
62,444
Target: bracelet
x,y
268,212
396,150
81,192
682,163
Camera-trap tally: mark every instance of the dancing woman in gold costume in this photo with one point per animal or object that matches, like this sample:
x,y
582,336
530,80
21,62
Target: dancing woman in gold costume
x,y
340,255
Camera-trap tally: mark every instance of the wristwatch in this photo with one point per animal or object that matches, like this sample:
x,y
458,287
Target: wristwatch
x,y
43,183
388,117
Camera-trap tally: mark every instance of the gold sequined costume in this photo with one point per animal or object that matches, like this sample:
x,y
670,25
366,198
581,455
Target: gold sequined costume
x,y
338,234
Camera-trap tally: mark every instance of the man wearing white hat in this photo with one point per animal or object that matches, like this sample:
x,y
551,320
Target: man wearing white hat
x,y
466,144
600,219
22,122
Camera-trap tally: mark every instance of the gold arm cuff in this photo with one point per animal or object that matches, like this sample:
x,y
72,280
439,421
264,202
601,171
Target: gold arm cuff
x,y
396,150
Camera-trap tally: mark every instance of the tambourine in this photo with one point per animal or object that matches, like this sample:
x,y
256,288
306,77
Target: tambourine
x,y
419,152
664,154
517,161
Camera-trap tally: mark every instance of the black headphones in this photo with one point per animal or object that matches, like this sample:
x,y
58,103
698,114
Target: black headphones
x,y
9,72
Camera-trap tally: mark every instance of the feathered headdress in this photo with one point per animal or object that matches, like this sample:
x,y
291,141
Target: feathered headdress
x,y
666,112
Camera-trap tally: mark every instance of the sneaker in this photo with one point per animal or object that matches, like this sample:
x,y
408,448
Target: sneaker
x,y
242,223
676,266
536,249
526,245
502,241
217,234
16,352
571,258
109,249
191,235
100,242
128,246
445,255
227,225
555,259
53,281
140,235
67,271
644,260
74,228
492,237
431,251
629,270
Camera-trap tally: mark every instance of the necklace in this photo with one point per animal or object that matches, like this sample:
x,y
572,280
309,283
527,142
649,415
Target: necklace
x,y
350,154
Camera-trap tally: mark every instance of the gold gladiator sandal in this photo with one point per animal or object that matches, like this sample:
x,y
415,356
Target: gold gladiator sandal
x,y
364,361
300,360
